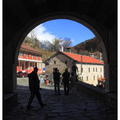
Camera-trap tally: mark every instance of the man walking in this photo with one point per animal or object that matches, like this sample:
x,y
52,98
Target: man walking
x,y
34,88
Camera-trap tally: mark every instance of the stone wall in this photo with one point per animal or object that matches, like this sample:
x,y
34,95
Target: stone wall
x,y
111,100
98,93
90,90
59,62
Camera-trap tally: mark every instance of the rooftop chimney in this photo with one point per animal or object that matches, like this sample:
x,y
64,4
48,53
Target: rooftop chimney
x,y
68,49
61,48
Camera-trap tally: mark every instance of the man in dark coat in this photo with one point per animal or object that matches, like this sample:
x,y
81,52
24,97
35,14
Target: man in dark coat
x,y
56,77
75,69
34,87
66,76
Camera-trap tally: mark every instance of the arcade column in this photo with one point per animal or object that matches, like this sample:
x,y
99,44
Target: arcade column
x,y
9,69
111,66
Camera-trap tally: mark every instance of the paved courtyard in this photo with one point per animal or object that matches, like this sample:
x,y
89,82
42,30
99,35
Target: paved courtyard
x,y
59,107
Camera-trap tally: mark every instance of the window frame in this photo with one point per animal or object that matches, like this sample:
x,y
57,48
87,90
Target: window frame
x,y
66,62
87,78
88,69
54,62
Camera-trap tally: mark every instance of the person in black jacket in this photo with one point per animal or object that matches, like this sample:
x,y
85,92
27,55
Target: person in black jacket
x,y
75,69
34,88
56,77
66,76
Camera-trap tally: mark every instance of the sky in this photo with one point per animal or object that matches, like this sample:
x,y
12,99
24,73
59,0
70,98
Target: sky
x,y
63,28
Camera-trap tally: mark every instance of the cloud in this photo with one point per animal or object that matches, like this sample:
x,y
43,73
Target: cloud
x,y
42,33
72,41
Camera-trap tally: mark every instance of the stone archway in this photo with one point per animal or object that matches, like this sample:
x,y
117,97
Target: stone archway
x,y
21,16
99,35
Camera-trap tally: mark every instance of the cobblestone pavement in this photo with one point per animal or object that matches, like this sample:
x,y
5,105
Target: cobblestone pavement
x,y
59,107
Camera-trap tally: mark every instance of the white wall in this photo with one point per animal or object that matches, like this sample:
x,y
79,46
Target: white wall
x,y
92,74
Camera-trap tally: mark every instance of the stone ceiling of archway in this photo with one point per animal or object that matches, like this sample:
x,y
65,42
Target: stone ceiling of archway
x,y
19,13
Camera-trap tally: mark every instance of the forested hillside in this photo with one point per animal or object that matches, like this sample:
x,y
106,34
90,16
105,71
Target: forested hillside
x,y
90,46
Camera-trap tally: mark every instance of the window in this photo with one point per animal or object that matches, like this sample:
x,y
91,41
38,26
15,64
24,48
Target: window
x,y
93,77
87,78
47,63
54,62
66,62
97,76
88,69
96,69
32,56
93,69
36,57
100,69
26,54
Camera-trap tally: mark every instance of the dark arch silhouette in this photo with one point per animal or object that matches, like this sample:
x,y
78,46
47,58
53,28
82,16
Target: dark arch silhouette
x,y
21,16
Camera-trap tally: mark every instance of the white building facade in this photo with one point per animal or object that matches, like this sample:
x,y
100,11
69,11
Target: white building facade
x,y
91,72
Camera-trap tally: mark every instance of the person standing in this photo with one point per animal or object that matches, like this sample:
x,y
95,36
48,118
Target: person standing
x,y
66,76
73,83
59,77
34,88
56,77
75,69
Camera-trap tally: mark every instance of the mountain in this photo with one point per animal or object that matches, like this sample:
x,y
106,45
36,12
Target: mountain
x,y
33,42
45,44
91,45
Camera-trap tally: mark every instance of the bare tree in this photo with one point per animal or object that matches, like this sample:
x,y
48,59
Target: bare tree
x,y
66,42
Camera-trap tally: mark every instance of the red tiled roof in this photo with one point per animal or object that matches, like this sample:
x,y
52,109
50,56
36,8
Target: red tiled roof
x,y
85,59
30,49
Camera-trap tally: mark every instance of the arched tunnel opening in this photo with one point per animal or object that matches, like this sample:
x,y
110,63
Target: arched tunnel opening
x,y
24,65
29,65
58,105
16,29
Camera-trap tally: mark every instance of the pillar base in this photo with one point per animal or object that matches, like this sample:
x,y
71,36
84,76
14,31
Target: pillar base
x,y
10,100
